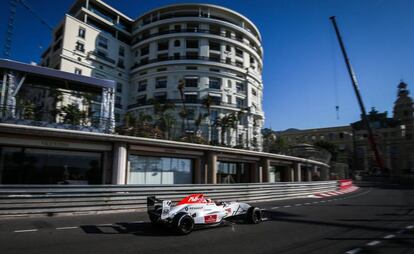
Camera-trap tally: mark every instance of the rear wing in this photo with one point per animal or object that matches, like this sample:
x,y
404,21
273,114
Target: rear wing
x,y
152,201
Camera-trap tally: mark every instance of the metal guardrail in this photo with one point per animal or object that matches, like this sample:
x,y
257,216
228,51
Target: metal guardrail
x,y
24,200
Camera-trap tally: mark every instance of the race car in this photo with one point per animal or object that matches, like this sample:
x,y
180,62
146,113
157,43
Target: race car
x,y
197,211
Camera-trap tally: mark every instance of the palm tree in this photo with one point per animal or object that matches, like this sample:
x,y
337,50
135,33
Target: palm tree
x,y
164,120
180,87
207,101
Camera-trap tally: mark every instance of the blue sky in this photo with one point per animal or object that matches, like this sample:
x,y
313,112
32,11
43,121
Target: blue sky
x,y
304,72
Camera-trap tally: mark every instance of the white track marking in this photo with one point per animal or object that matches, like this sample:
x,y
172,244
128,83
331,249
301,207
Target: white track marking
x,y
65,228
276,207
298,204
353,251
389,236
287,206
373,243
108,224
410,227
25,230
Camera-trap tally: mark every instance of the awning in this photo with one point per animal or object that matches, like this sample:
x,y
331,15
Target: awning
x,y
191,77
190,93
214,94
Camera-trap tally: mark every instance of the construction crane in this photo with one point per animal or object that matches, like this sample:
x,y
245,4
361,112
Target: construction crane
x,y
365,120
10,24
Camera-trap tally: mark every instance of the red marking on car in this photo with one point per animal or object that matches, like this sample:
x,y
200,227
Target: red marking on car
x,y
343,184
210,218
193,199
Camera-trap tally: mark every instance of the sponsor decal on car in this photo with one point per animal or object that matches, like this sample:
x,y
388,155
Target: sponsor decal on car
x,y
210,218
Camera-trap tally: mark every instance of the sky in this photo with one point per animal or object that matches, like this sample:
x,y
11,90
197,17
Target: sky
x,y
304,74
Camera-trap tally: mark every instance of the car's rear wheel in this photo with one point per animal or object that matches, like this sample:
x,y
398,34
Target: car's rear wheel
x,y
183,223
254,215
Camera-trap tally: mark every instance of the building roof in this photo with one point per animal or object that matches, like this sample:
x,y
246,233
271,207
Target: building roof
x,y
52,73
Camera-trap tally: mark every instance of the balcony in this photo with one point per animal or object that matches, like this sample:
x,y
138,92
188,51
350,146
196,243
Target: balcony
x,y
199,31
100,56
189,57
179,102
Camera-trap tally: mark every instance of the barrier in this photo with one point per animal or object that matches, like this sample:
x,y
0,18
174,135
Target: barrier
x,y
345,184
25,200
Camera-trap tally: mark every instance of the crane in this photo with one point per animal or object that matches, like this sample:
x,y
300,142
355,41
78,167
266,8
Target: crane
x,y
10,23
365,120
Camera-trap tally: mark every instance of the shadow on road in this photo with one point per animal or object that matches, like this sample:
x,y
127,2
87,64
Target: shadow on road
x,y
137,228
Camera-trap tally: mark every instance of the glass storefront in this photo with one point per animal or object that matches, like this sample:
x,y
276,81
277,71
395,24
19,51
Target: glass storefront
x,y
275,174
233,172
20,165
159,170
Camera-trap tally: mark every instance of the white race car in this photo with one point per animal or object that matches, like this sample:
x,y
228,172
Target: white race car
x,y
196,210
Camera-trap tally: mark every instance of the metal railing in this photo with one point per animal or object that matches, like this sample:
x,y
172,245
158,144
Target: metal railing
x,y
53,199
174,58
179,102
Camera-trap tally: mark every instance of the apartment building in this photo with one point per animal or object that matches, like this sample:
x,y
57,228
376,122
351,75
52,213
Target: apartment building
x,y
204,59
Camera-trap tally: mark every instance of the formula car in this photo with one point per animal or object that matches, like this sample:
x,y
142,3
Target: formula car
x,y
197,211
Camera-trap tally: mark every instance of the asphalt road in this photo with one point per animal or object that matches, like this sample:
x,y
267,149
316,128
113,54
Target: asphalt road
x,y
369,220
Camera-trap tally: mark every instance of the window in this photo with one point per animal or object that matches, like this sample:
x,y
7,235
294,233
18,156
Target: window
x,y
119,87
214,70
177,43
191,81
191,68
190,114
254,93
239,52
161,69
192,44
141,100
81,32
121,51
80,46
163,30
176,55
215,29
142,73
190,98
216,100
229,83
214,45
120,63
145,50
160,97
214,83
191,27
162,45
239,103
162,57
229,101
192,55
177,28
78,71
214,57
118,102
228,48
142,85
102,42
161,82
239,87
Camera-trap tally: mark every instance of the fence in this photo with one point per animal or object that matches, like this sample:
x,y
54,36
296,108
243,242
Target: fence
x,y
24,200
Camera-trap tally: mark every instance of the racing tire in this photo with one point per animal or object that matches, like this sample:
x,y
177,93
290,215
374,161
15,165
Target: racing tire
x,y
254,215
183,224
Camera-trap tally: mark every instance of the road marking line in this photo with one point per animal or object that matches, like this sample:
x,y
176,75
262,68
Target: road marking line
x,y
389,236
373,243
276,207
25,230
353,251
108,224
265,219
287,206
307,203
410,227
298,204
400,232
64,228
138,221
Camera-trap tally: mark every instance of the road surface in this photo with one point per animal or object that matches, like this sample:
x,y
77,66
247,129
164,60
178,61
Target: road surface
x,y
369,220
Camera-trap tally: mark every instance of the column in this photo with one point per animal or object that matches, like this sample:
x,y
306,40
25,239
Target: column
x,y
197,171
211,168
324,173
309,172
265,163
254,172
298,173
119,163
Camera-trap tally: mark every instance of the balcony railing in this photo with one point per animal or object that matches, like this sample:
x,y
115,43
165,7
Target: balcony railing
x,y
173,58
200,31
110,60
178,102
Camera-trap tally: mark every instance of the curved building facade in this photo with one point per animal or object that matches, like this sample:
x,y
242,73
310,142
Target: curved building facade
x,y
205,59
216,55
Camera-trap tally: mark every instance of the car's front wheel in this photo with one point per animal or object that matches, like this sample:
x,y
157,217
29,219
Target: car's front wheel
x,y
254,215
183,223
